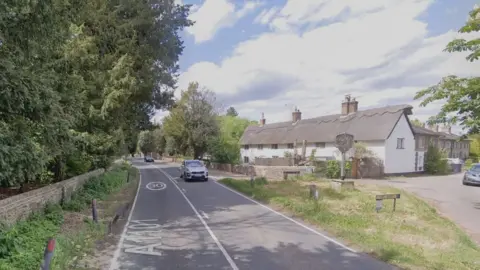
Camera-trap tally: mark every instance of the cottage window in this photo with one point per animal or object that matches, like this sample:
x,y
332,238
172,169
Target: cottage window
x,y
274,146
290,146
320,145
400,143
246,147
260,146
246,159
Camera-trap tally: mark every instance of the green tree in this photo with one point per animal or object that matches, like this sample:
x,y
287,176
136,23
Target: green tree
x,y
462,95
225,148
192,122
417,122
232,112
475,147
80,79
435,161
146,142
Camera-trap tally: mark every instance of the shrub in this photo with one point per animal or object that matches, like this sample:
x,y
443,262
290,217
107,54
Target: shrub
x,y
333,169
435,161
468,164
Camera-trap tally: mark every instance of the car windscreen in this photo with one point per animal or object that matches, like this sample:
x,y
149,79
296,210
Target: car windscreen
x,y
475,168
194,163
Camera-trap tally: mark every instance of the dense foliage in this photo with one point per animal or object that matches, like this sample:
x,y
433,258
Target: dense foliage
x,y
80,79
436,161
462,95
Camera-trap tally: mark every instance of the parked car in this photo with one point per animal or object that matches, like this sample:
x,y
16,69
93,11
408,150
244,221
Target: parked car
x,y
193,170
472,176
149,159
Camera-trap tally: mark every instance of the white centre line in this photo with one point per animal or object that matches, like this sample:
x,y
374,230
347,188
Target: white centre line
x,y
220,246
204,215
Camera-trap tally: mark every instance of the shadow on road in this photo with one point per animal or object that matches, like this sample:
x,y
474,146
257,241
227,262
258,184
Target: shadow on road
x,y
253,236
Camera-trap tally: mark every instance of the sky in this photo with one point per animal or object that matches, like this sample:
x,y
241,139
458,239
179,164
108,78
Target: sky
x,y
269,56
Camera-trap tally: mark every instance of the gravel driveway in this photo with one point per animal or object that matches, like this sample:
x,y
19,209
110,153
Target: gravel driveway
x,y
458,202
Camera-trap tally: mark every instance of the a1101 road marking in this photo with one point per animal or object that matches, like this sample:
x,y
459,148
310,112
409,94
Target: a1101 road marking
x,y
142,232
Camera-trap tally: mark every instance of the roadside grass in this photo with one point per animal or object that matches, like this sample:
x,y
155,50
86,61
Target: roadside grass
x,y
415,236
22,245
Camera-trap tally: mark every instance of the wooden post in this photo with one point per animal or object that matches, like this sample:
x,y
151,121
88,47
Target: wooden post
x,y
94,210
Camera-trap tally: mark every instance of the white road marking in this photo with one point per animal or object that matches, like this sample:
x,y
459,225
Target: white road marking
x,y
204,215
289,218
156,186
114,261
220,246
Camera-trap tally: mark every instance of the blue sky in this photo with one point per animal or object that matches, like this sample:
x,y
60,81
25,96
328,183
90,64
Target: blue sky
x,y
268,56
441,16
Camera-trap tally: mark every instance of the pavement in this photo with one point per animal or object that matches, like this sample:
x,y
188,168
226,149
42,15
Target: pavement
x,y
459,203
205,225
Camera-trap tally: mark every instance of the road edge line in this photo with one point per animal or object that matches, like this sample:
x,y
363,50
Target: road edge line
x,y
289,218
116,255
214,237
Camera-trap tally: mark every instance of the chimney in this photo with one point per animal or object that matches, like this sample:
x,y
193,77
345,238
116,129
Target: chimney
x,y
296,115
346,105
436,128
450,129
353,106
262,120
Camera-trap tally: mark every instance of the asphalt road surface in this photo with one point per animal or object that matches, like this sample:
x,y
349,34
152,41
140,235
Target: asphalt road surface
x,y
204,225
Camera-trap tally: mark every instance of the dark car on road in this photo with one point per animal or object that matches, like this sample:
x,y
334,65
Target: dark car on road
x,y
193,170
472,176
149,159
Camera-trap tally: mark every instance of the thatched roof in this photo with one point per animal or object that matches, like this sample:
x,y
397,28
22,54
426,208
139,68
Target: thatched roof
x,y
367,125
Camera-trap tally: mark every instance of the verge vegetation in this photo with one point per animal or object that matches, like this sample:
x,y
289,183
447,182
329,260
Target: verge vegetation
x,y
415,236
22,245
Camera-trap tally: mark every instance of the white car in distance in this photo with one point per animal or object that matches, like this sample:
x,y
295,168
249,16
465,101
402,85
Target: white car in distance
x,y
193,170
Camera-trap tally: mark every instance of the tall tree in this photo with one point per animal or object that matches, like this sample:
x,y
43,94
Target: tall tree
x,y
79,79
225,148
417,122
146,142
232,112
462,95
192,123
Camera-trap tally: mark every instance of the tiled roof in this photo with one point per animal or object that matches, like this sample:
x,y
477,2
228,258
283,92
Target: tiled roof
x,y
367,125
424,131
441,135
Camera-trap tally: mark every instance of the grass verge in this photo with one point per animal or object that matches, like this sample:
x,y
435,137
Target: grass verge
x,y
412,237
22,245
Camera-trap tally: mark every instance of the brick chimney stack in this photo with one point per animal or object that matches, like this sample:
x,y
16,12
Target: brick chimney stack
x,y
262,120
349,105
296,115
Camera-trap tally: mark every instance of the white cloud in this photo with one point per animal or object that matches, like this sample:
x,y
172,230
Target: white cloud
x,y
378,51
215,15
266,15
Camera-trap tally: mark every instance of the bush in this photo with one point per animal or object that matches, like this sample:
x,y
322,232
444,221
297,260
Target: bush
x,y
436,162
333,169
468,164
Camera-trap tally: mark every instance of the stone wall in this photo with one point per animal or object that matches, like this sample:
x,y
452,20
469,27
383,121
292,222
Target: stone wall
x,y
280,161
18,207
269,172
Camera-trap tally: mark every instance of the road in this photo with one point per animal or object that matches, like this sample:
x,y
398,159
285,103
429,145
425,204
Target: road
x,y
457,202
204,225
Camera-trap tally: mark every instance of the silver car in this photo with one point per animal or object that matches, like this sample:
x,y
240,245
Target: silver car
x,y
472,176
193,170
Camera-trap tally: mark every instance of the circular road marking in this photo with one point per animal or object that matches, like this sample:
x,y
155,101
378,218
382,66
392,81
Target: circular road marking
x,y
156,186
